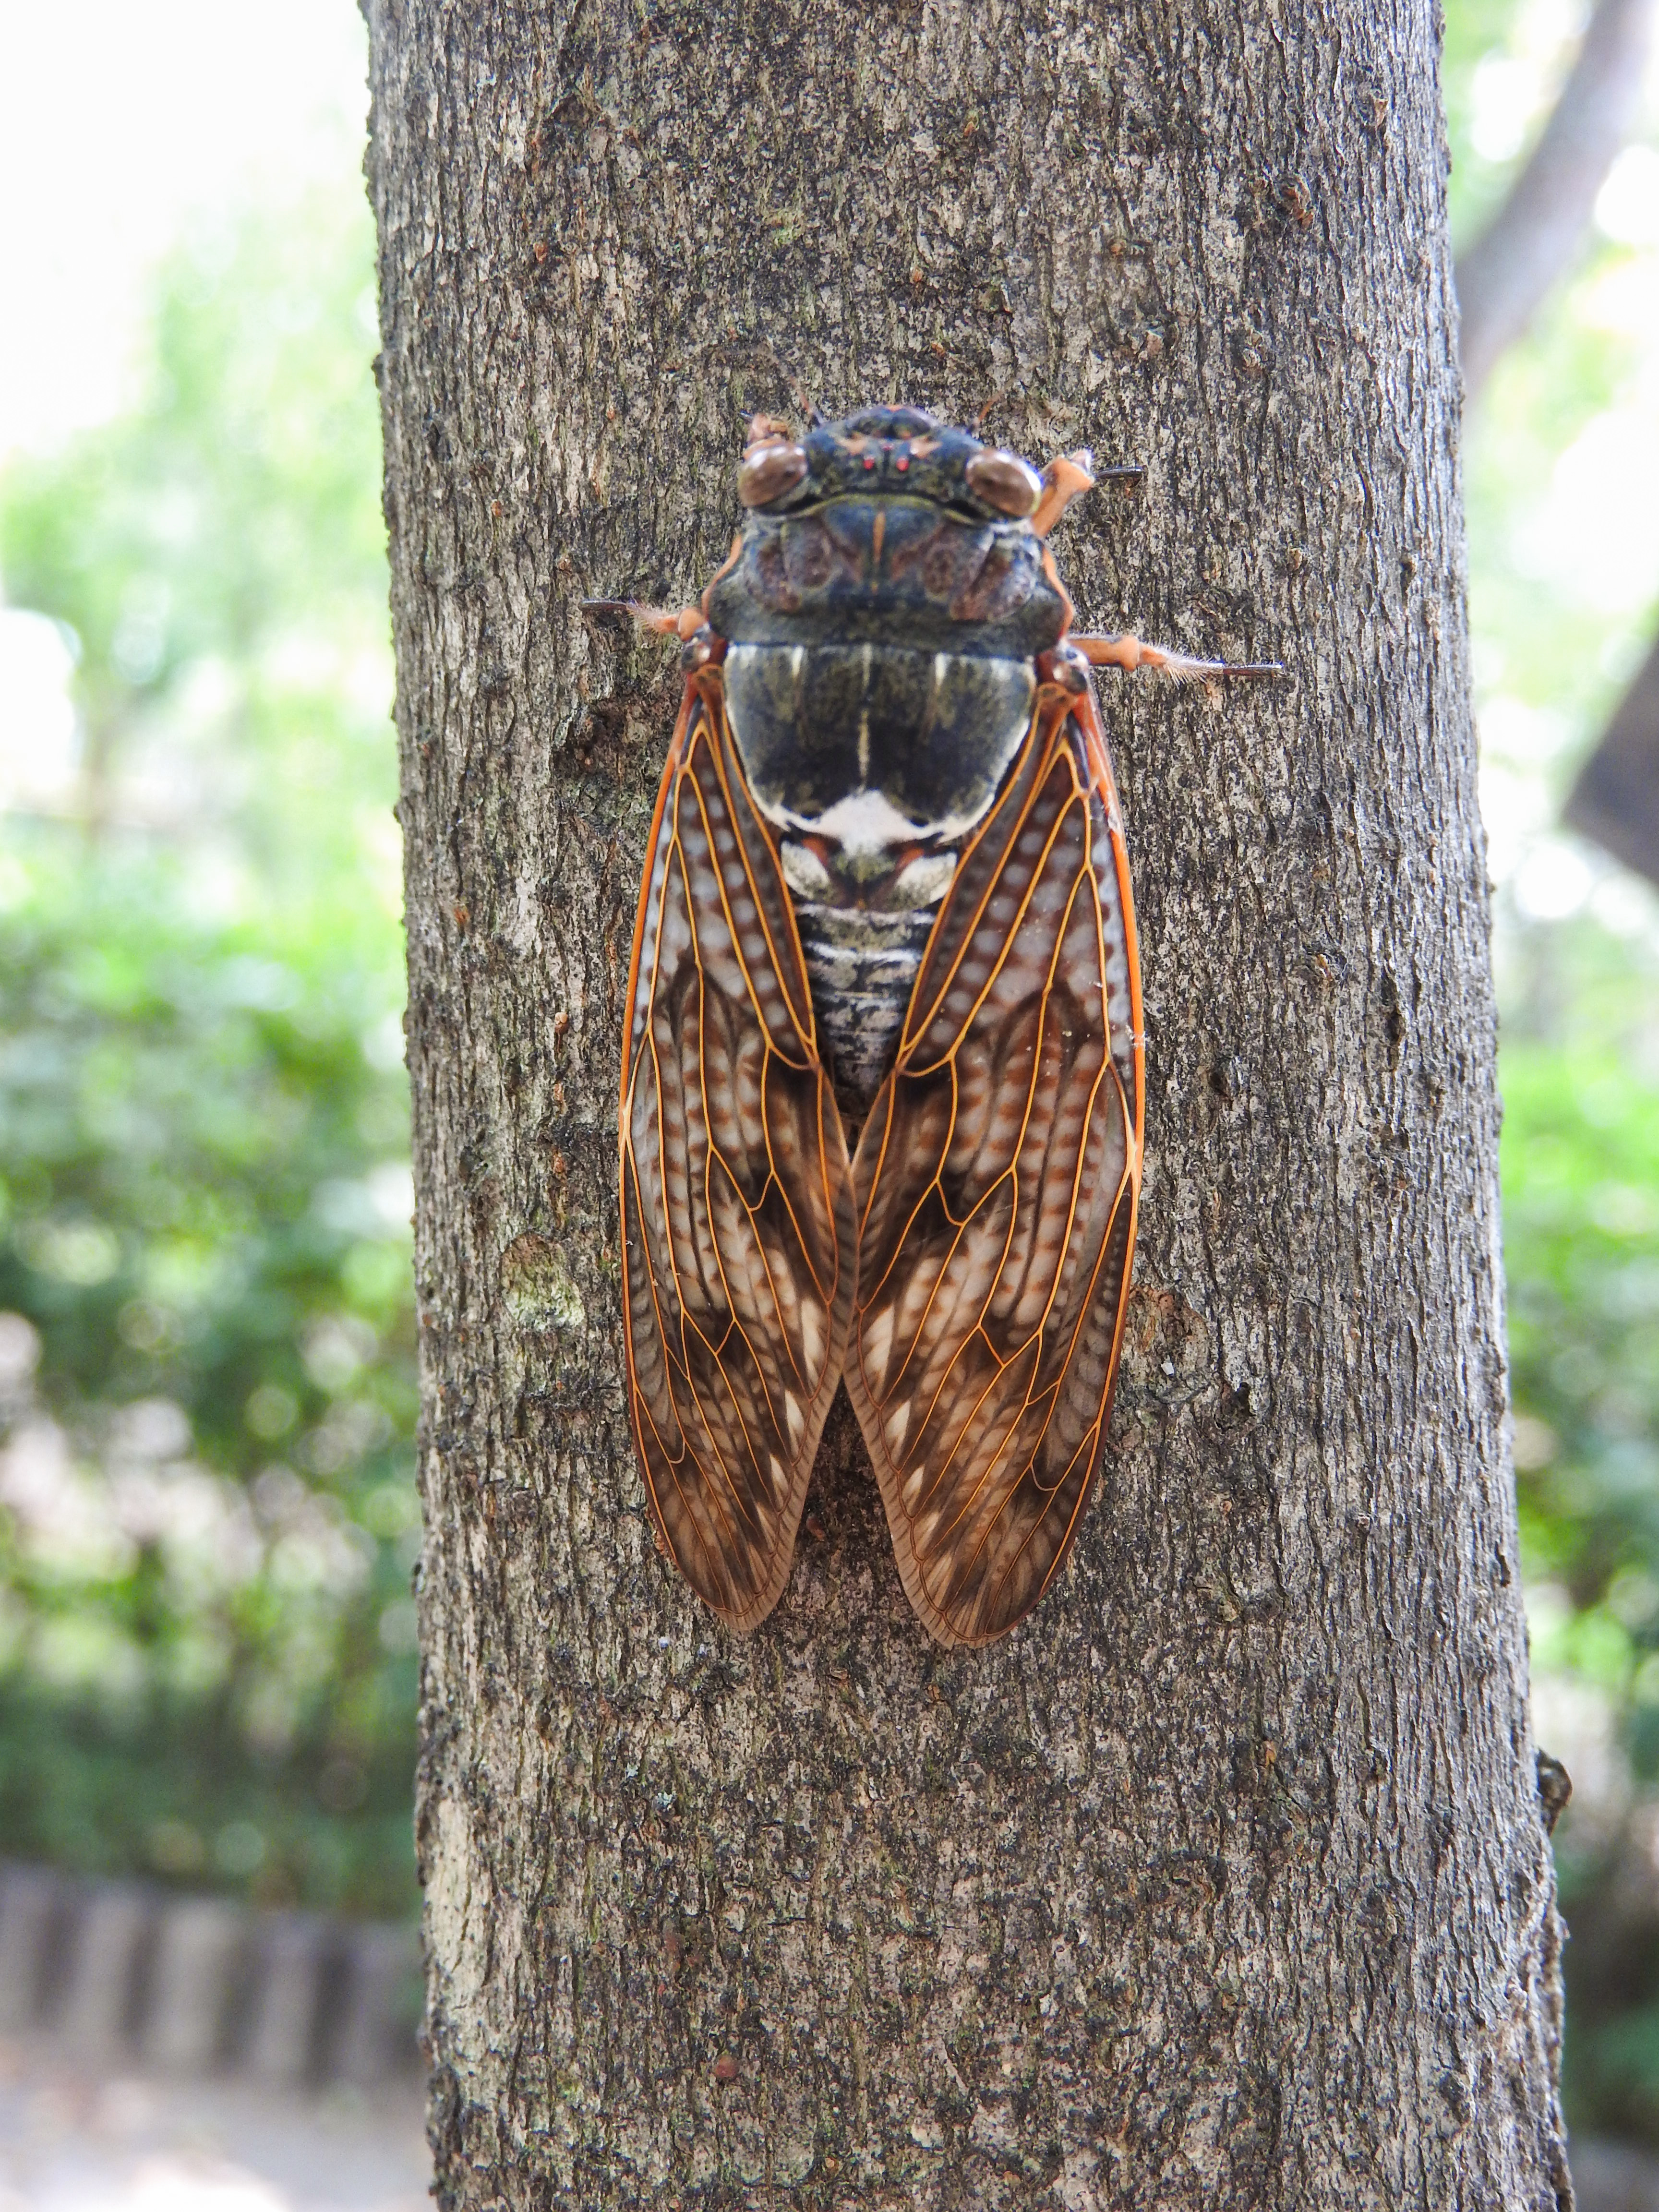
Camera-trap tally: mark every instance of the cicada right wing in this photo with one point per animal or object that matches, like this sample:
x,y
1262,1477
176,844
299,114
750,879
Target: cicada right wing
x,y
735,1193
996,1181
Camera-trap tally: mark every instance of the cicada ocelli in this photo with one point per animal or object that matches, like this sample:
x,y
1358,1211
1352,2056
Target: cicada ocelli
x,y
883,1080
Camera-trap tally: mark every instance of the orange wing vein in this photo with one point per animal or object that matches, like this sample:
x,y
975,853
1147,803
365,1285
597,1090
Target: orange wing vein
x,y
737,1223
996,1182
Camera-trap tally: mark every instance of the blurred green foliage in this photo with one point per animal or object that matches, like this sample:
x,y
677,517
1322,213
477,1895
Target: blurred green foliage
x,y
1562,573
1581,1209
206,1639
1581,1160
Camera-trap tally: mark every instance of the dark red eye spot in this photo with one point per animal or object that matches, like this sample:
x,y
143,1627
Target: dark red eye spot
x,y
869,460
902,463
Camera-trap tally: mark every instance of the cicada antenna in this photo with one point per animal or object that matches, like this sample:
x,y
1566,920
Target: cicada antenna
x,y
815,417
804,403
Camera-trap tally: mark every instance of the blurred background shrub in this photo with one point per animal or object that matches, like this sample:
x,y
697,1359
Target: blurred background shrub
x,y
206,1517
1562,478
206,1635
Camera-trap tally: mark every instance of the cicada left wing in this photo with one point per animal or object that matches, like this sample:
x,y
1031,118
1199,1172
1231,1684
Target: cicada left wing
x,y
735,1193
996,1182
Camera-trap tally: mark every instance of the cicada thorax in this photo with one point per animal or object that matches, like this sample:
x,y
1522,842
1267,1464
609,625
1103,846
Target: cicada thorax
x,y
880,678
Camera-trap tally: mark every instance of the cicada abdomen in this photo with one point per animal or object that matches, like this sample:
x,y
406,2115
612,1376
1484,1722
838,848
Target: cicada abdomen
x,y
882,1079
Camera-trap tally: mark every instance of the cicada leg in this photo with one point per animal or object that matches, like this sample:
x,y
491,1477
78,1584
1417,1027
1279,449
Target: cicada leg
x,y
1134,654
681,625
1066,477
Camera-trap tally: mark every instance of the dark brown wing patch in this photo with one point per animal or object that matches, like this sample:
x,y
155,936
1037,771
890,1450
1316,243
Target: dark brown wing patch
x,y
996,1182
736,1191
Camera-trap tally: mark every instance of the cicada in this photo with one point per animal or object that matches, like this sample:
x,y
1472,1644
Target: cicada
x,y
882,1076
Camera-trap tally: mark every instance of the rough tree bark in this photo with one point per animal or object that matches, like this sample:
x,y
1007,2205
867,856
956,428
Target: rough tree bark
x,y
1223,1881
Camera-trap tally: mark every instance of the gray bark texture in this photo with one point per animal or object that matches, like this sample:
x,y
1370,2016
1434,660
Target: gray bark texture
x,y
1223,1880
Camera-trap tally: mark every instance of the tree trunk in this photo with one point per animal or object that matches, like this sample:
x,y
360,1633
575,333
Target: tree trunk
x,y
1221,1881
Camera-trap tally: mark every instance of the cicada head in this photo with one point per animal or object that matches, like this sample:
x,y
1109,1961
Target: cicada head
x,y
894,452
892,526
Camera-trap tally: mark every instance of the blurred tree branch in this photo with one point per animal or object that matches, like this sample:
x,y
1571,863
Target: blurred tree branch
x,y
1616,798
1531,240
1502,281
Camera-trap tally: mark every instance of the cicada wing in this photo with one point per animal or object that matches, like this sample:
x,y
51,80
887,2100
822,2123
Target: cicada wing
x,y
996,1182
737,1231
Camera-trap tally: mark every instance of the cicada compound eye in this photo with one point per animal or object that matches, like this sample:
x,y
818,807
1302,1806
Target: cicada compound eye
x,y
1003,481
767,472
